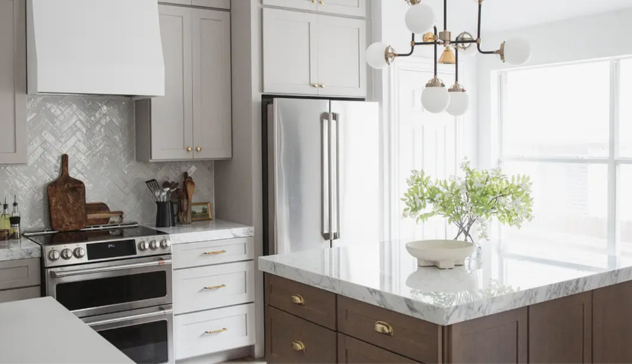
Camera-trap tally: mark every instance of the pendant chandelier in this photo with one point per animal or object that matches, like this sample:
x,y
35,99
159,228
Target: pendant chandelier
x,y
420,19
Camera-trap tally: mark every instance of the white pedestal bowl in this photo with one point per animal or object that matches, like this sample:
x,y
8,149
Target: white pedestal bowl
x,y
443,254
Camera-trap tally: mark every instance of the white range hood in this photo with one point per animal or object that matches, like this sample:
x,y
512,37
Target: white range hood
x,y
101,47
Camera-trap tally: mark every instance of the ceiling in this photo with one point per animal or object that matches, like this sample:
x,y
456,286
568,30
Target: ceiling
x,y
499,15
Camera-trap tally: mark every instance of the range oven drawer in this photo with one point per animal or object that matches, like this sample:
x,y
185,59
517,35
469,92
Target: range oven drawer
x,y
100,288
145,335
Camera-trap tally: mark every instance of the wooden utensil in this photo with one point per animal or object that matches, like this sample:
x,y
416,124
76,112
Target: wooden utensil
x,y
190,187
99,213
67,201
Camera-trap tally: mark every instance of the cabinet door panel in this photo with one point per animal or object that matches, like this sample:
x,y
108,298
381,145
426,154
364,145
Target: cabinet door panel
x,y
612,332
294,4
13,81
344,7
211,84
172,115
341,64
560,330
289,52
221,4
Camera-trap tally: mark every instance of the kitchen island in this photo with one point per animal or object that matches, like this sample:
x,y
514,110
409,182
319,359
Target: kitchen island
x,y
516,304
41,330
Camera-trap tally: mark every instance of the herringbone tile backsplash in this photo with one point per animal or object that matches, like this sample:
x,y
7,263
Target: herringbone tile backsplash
x,y
97,133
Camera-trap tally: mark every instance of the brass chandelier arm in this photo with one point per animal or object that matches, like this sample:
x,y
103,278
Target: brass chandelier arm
x,y
478,43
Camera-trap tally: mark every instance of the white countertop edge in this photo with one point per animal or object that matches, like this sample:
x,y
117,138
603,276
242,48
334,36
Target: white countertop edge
x,y
206,231
453,315
19,249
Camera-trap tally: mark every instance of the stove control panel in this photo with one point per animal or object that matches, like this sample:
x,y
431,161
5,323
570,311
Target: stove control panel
x,y
98,251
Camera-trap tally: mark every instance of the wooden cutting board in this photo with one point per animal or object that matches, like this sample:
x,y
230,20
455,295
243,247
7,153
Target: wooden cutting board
x,y
98,213
67,201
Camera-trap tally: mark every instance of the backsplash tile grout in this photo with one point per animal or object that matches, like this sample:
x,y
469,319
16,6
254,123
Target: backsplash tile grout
x,y
98,135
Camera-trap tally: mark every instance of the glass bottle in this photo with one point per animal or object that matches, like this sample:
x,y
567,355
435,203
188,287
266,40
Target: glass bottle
x,y
5,223
15,212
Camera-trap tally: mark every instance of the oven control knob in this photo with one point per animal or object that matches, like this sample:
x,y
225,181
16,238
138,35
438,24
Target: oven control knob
x,y
142,246
66,254
164,243
53,255
79,253
153,245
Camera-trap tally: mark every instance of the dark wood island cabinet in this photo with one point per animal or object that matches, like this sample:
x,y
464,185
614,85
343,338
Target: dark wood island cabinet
x,y
305,324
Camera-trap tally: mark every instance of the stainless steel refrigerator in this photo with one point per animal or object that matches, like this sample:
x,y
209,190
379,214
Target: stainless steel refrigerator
x,y
322,182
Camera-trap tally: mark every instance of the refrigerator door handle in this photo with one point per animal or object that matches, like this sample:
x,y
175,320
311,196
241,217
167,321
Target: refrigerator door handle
x,y
325,152
336,231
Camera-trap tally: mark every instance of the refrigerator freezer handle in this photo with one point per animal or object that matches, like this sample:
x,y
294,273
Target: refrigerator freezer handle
x,y
325,163
336,231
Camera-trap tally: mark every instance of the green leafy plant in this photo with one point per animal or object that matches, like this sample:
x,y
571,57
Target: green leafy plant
x,y
476,197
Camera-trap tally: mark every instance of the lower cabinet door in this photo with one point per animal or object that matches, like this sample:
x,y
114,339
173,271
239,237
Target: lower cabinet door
x,y
290,339
560,331
500,338
612,324
212,331
351,350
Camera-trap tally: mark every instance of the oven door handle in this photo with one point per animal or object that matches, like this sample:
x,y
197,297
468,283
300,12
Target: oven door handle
x,y
131,318
62,274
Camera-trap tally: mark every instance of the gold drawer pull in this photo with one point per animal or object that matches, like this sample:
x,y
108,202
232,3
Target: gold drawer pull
x,y
215,253
297,299
216,331
298,346
215,287
384,328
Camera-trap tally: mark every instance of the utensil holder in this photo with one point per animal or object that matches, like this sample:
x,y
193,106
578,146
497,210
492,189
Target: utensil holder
x,y
164,215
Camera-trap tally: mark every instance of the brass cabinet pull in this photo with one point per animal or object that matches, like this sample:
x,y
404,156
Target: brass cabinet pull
x,y
298,299
298,346
315,85
198,149
384,328
314,1
322,85
321,2
215,253
189,149
215,331
215,287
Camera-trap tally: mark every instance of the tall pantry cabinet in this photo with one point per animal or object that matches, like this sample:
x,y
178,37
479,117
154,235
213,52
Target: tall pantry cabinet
x,y
193,120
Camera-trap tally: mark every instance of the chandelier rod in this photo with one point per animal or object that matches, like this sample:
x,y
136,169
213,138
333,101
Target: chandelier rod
x,y
456,65
435,51
478,41
445,15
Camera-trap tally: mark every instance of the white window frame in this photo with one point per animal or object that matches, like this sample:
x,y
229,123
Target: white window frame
x,y
613,161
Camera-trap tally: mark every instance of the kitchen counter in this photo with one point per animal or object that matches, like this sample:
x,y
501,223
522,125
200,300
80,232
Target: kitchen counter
x,y
41,330
386,275
19,249
206,231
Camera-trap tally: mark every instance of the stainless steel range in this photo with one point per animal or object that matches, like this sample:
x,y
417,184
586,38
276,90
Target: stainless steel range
x,y
117,279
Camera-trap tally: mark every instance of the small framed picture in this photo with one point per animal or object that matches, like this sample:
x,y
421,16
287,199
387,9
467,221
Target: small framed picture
x,y
201,211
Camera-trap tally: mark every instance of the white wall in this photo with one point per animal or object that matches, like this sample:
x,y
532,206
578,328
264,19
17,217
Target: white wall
x,y
596,36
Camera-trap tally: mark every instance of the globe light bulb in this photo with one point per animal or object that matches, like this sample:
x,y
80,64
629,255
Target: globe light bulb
x,y
420,18
459,101
515,51
435,97
377,55
466,50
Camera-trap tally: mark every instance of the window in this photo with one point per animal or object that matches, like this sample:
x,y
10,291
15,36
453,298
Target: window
x,y
569,127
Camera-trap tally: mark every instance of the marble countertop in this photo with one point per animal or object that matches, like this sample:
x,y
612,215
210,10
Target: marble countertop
x,y
207,230
41,330
19,249
507,277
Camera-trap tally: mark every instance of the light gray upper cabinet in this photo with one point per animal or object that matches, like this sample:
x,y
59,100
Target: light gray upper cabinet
x,y
313,54
218,4
13,82
340,7
193,119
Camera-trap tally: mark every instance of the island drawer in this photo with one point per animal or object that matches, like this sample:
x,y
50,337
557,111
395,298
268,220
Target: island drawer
x,y
212,252
20,273
203,288
19,294
214,330
351,350
290,339
312,304
407,336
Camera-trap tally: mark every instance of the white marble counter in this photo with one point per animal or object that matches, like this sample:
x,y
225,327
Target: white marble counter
x,y
387,276
207,230
41,330
19,249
